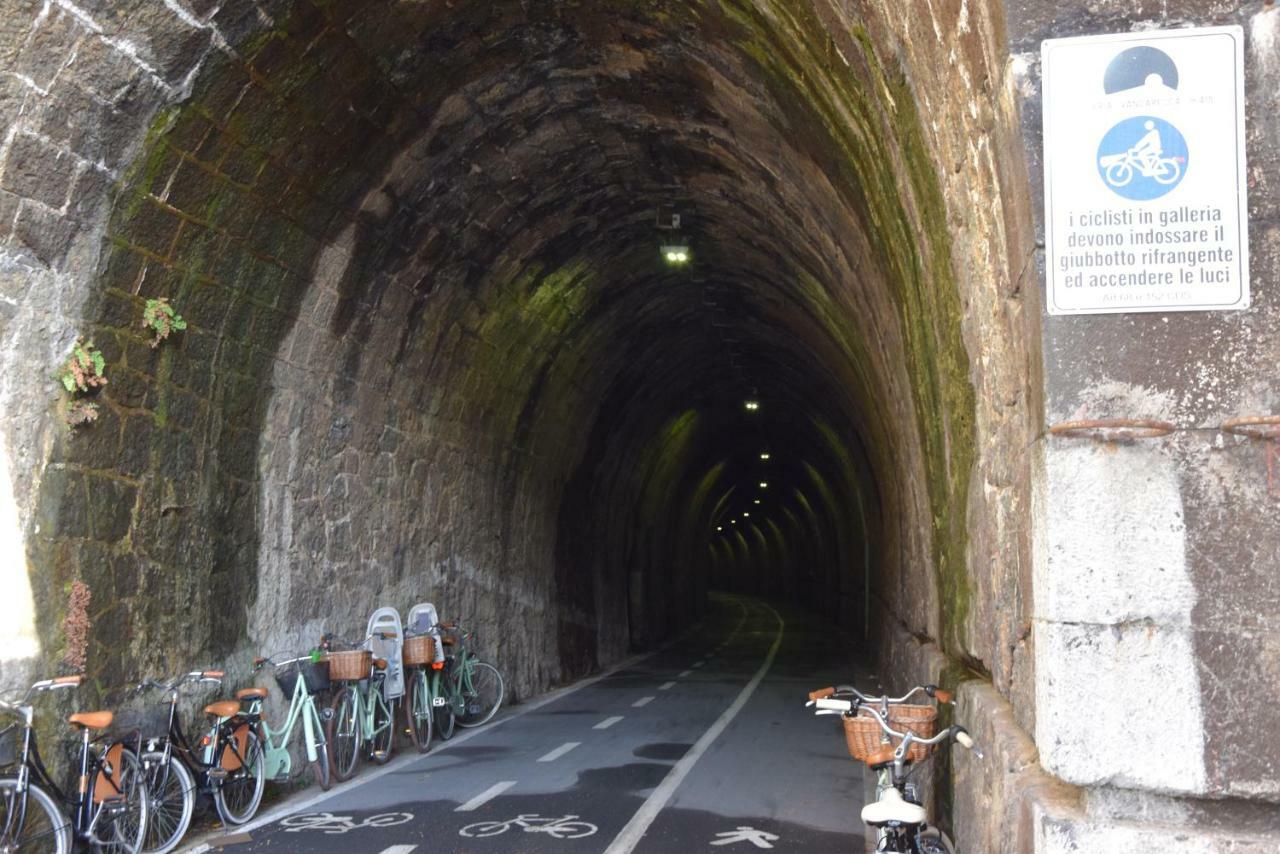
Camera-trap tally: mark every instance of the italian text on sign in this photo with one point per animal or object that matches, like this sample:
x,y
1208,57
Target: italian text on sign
x,y
1144,172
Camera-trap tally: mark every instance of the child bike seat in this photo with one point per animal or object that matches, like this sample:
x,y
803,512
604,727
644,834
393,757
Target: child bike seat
x,y
92,720
893,809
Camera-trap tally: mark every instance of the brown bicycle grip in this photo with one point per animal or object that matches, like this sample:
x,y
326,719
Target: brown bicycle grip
x,y
821,693
212,674
943,696
68,680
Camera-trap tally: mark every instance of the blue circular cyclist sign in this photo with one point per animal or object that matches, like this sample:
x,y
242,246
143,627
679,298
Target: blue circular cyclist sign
x,y
1142,158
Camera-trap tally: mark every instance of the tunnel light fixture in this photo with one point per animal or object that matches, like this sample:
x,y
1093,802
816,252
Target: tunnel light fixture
x,y
675,254
751,405
719,527
745,513
764,455
764,484
756,501
733,521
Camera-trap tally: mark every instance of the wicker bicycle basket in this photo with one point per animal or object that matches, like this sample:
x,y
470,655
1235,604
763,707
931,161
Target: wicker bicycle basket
x,y
350,664
9,745
315,675
864,736
419,650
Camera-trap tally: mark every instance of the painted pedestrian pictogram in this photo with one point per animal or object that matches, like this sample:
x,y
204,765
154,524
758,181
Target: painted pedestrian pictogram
x,y
758,838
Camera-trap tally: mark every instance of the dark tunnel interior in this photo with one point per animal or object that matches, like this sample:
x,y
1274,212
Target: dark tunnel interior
x,y
435,342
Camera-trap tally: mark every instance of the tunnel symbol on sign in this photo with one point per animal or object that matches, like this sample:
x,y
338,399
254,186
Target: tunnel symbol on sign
x,y
1142,158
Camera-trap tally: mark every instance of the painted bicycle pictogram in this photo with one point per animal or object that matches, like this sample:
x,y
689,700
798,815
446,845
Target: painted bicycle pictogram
x,y
557,827
328,823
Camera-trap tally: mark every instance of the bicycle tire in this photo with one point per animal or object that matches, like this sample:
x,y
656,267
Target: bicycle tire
x,y
343,734
482,829
417,711
383,741
238,796
445,716
487,699
934,841
1119,174
172,789
124,832
321,769
37,827
1168,172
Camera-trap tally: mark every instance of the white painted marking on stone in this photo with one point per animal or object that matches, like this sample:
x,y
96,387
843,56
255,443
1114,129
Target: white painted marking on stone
x,y
666,686
683,673
630,836
486,796
642,702
560,751
608,722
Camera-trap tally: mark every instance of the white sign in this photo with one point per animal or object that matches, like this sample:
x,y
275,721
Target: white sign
x,y
1144,172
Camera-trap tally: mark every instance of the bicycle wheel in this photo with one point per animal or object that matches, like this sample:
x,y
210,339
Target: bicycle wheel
x,y
482,829
238,795
482,691
1167,171
121,822
445,714
320,769
417,711
934,841
383,740
33,824
343,734
173,799
1119,174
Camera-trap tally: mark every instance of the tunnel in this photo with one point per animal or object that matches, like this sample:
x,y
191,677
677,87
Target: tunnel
x,y
559,314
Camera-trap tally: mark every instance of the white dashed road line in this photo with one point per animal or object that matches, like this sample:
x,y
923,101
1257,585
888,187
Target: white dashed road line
x,y
486,796
560,751
666,686
608,722
630,836
683,674
642,702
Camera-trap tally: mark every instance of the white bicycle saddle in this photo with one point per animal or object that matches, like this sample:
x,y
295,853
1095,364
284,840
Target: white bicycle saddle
x,y
892,808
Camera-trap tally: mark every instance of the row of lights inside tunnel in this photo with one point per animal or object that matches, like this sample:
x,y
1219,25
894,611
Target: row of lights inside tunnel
x,y
750,405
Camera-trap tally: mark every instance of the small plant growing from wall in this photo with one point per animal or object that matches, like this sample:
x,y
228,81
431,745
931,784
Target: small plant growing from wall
x,y
75,626
83,373
160,318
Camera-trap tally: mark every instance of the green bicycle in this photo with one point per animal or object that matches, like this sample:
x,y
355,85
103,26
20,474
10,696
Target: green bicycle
x,y
422,683
361,712
472,689
266,757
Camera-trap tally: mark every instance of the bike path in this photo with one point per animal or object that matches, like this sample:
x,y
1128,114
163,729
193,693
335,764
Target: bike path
x,y
600,753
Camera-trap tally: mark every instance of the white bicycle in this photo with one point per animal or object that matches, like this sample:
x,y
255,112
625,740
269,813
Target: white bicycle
x,y
558,827
900,820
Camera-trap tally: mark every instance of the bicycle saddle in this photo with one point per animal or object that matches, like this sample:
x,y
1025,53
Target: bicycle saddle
x,y
223,708
251,694
92,720
892,808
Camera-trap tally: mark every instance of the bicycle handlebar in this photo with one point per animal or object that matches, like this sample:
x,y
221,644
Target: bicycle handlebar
x,y
939,694
831,705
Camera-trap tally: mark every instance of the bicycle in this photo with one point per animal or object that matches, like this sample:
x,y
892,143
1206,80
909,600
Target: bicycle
x,y
361,713
423,671
473,688
300,679
110,807
897,814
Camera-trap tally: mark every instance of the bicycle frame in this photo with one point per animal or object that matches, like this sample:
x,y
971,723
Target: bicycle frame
x,y
84,815
278,763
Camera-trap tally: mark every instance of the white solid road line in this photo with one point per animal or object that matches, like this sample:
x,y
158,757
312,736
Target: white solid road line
x,y
560,751
486,796
630,836
642,702
666,686
608,722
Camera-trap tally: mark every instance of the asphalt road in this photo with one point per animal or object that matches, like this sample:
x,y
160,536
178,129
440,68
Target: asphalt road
x,y
703,746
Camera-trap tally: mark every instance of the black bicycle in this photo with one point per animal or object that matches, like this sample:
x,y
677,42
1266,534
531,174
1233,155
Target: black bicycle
x,y
177,770
109,807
